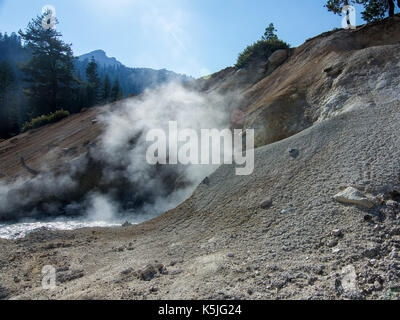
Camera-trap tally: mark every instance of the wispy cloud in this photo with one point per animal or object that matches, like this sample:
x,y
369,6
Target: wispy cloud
x,y
170,26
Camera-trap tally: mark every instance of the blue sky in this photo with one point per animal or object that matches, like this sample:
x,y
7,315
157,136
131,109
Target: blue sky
x,y
195,37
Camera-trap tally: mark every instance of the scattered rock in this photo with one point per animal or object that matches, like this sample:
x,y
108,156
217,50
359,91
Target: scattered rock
x,y
353,196
230,255
127,271
337,233
147,273
278,57
4,293
70,276
349,279
378,286
367,218
372,262
336,250
371,251
150,271
332,243
175,272
63,269
266,203
294,153
395,231
392,204
338,286
394,254
161,268
127,224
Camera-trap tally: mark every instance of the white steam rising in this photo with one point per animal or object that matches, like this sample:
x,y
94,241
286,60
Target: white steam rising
x,y
122,185
135,117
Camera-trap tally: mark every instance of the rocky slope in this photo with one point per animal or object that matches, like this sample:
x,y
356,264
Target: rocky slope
x,y
327,118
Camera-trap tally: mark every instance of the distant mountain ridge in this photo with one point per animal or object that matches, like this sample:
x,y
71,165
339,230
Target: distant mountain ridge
x,y
101,58
132,80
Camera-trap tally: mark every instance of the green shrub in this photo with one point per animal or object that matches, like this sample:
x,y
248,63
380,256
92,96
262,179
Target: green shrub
x,y
45,119
261,50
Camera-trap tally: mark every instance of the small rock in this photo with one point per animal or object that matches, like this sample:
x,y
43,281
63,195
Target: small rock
x,y
153,289
147,273
337,233
127,224
395,231
332,243
377,228
4,293
230,255
63,269
175,272
394,254
353,196
349,279
372,262
294,153
127,271
278,57
70,276
372,251
161,268
266,203
286,211
336,250
367,218
392,204
378,286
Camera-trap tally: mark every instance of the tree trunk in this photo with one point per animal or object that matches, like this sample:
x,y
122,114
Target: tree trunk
x,y
391,8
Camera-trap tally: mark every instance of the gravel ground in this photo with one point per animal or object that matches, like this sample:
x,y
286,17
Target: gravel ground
x,y
279,233
228,242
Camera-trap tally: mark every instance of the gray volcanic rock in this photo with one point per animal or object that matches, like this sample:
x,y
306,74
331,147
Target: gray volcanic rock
x,y
353,196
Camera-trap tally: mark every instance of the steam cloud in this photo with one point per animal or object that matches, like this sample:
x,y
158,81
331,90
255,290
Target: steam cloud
x,y
114,182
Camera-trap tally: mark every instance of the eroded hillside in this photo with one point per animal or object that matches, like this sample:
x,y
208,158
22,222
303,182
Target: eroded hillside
x,y
318,219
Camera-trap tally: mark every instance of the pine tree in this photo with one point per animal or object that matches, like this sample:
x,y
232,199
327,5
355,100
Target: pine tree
x,y
94,84
106,89
374,9
270,33
116,92
49,73
8,107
